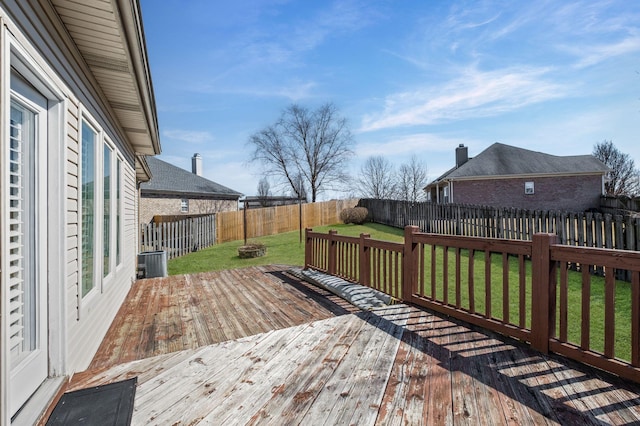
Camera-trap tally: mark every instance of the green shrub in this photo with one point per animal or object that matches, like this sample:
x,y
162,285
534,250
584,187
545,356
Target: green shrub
x,y
355,215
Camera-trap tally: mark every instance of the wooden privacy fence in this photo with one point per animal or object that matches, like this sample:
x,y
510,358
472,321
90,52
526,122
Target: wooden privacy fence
x,y
614,204
279,219
585,229
522,289
179,237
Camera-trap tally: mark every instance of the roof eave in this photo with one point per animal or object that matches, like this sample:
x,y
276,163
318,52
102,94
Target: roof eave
x,y
123,65
143,172
190,194
135,39
524,175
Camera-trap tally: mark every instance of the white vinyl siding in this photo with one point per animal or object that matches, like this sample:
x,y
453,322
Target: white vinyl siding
x,y
41,53
118,211
112,276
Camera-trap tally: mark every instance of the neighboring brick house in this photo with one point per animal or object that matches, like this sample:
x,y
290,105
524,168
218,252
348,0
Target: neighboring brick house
x,y
175,191
507,176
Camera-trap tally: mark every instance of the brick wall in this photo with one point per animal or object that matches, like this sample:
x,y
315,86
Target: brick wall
x,y
570,193
152,206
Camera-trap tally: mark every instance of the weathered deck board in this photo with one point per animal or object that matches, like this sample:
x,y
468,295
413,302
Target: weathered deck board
x,y
164,315
304,365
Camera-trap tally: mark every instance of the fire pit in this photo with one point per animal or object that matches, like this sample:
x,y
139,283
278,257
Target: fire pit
x,y
252,250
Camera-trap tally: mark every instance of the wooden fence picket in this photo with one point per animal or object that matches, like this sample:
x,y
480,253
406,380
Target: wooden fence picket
x,y
586,229
178,238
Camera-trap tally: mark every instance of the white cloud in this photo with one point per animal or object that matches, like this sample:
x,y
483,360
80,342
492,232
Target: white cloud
x,y
341,17
473,94
418,143
293,91
592,55
189,136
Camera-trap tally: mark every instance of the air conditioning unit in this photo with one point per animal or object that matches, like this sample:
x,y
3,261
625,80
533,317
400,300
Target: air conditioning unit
x,y
152,264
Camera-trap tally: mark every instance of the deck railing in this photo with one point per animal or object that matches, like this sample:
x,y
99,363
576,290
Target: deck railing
x,y
527,290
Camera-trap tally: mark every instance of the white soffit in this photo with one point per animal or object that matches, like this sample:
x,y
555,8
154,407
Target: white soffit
x,y
109,36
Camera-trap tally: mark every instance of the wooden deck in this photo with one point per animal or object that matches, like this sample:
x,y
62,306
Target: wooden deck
x,y
255,346
164,315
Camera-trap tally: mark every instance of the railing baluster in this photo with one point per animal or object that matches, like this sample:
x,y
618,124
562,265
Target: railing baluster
x,y
586,308
635,318
487,283
505,288
458,284
564,300
609,312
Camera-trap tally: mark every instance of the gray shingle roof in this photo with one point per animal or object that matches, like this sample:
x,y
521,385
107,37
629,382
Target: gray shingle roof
x,y
169,179
504,160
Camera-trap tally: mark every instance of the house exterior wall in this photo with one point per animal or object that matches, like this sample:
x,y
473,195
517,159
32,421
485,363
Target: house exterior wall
x,y
76,323
569,193
159,206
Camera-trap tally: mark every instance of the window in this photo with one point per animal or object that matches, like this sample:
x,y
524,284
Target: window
x,y
184,205
118,211
106,220
88,182
101,208
528,188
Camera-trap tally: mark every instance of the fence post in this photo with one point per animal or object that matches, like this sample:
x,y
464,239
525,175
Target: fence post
x,y
409,264
333,253
543,291
308,248
364,257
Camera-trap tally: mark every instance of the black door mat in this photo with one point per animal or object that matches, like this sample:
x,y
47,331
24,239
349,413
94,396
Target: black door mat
x,y
110,404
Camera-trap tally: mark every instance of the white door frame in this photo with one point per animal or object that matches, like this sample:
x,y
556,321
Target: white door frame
x,y
18,55
31,369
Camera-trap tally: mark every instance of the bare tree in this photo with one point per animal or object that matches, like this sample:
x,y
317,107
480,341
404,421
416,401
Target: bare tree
x,y
212,206
376,178
313,144
264,192
411,179
623,176
298,190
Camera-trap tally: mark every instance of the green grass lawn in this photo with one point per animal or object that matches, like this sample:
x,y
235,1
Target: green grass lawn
x,y
282,249
286,249
574,296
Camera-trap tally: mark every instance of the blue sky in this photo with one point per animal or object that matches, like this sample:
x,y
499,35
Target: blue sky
x,y
412,77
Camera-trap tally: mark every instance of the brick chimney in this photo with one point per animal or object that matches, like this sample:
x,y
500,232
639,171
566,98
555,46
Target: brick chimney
x,y
462,155
196,164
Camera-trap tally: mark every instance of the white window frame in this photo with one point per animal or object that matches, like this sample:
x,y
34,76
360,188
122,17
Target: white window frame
x,y
184,205
119,213
110,236
529,188
85,299
101,281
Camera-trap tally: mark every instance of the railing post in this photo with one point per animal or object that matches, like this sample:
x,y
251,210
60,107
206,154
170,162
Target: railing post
x,y
364,256
409,264
543,290
333,253
308,248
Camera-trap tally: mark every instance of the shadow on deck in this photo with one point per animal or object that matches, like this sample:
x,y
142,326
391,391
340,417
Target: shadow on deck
x,y
256,346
